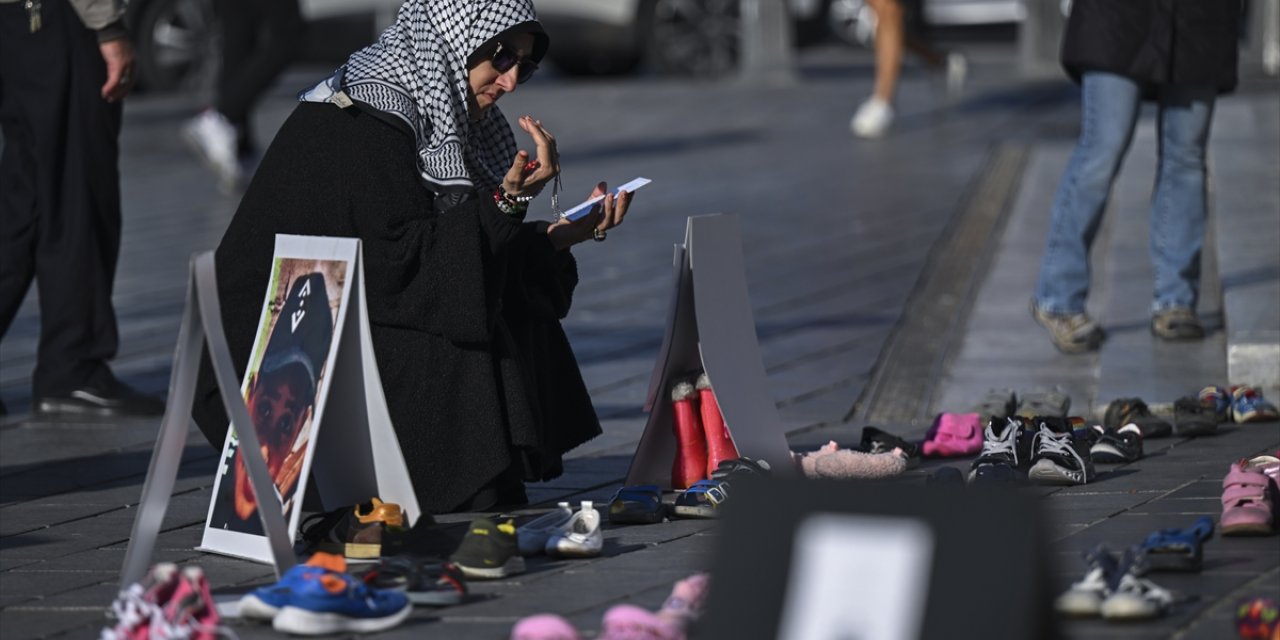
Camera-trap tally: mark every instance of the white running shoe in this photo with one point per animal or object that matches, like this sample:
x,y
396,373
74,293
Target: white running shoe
x,y
957,72
213,138
532,537
580,537
872,119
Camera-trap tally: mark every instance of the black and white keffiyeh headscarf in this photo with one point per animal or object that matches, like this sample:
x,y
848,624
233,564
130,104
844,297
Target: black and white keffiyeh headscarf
x,y
417,72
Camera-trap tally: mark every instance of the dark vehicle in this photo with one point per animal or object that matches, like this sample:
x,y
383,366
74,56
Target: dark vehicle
x,y
176,42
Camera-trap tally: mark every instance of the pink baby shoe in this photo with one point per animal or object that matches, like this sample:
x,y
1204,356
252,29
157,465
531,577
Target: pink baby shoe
x,y
1247,500
629,622
953,435
544,626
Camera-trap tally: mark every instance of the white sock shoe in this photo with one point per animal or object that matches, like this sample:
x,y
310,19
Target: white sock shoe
x,y
957,72
212,137
872,119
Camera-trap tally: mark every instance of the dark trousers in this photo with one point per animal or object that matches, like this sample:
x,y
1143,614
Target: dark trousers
x,y
59,193
259,38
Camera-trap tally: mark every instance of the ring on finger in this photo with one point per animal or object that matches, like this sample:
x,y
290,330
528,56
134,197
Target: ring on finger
x,y
598,234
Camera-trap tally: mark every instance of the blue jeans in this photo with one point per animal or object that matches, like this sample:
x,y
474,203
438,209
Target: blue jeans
x,y
1109,113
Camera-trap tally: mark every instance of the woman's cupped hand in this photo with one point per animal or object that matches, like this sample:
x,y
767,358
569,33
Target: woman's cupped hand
x,y
526,177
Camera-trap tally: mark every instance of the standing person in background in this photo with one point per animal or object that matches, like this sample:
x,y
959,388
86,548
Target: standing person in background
x,y
1181,55
898,27
259,38
64,68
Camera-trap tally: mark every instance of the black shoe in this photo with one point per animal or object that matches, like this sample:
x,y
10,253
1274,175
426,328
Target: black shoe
x,y
1124,411
116,400
1060,458
1002,452
879,441
1117,446
1191,417
489,551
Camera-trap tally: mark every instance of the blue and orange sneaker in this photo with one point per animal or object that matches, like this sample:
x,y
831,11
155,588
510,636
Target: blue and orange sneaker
x,y
264,603
1248,405
334,602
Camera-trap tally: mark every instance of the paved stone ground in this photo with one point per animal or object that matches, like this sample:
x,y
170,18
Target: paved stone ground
x,y
838,234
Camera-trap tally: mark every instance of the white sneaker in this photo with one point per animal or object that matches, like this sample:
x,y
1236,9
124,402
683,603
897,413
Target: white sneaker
x,y
213,138
872,119
580,537
532,537
957,72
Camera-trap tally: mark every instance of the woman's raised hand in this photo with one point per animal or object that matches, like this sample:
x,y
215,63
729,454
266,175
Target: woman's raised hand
x,y
605,215
526,178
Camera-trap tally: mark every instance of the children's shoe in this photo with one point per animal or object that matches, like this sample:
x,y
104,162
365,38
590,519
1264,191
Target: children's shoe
x,y
339,603
998,403
1247,500
1178,549
1060,458
999,461
1044,403
688,597
1248,405
1258,619
690,462
720,446
953,435
1117,446
531,538
190,612
544,626
1193,417
1084,599
135,606
879,441
265,602
629,622
580,537
1135,597
429,582
637,504
702,500
354,532
1070,332
489,551
1122,411
872,119
1217,400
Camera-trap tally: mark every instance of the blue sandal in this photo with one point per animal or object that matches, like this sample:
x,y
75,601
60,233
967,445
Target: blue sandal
x,y
702,500
1178,549
637,504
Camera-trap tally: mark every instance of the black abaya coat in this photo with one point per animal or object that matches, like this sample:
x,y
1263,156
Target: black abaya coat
x,y
464,305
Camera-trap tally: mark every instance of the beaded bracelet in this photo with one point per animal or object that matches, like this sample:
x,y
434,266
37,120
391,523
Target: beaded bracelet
x,y
509,204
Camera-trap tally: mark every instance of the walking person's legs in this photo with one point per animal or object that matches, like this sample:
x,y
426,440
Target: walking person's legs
x,y
1179,210
876,114
1109,111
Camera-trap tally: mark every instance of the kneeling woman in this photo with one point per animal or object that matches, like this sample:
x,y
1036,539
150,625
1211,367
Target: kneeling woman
x,y
404,148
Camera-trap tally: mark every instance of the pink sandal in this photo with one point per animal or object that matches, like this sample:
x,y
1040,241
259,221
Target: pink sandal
x,y
544,626
629,622
685,603
953,435
1247,508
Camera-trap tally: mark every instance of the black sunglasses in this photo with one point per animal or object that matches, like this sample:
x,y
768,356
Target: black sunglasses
x,y
503,59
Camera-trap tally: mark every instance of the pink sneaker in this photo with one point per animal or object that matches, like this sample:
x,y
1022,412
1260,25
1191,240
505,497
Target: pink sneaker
x,y
544,626
953,435
1247,508
190,613
135,607
685,603
629,622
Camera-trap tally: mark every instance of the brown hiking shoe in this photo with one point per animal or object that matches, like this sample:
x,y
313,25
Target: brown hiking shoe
x,y
1176,323
1070,333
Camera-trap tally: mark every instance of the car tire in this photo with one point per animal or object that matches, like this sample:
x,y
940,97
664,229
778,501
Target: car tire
x,y
175,44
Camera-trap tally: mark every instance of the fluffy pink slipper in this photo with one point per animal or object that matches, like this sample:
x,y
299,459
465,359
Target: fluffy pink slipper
x,y
544,626
685,603
953,435
629,622
847,464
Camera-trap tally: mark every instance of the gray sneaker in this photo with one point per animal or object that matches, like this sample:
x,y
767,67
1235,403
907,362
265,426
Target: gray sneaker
x,y
1176,323
1070,333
